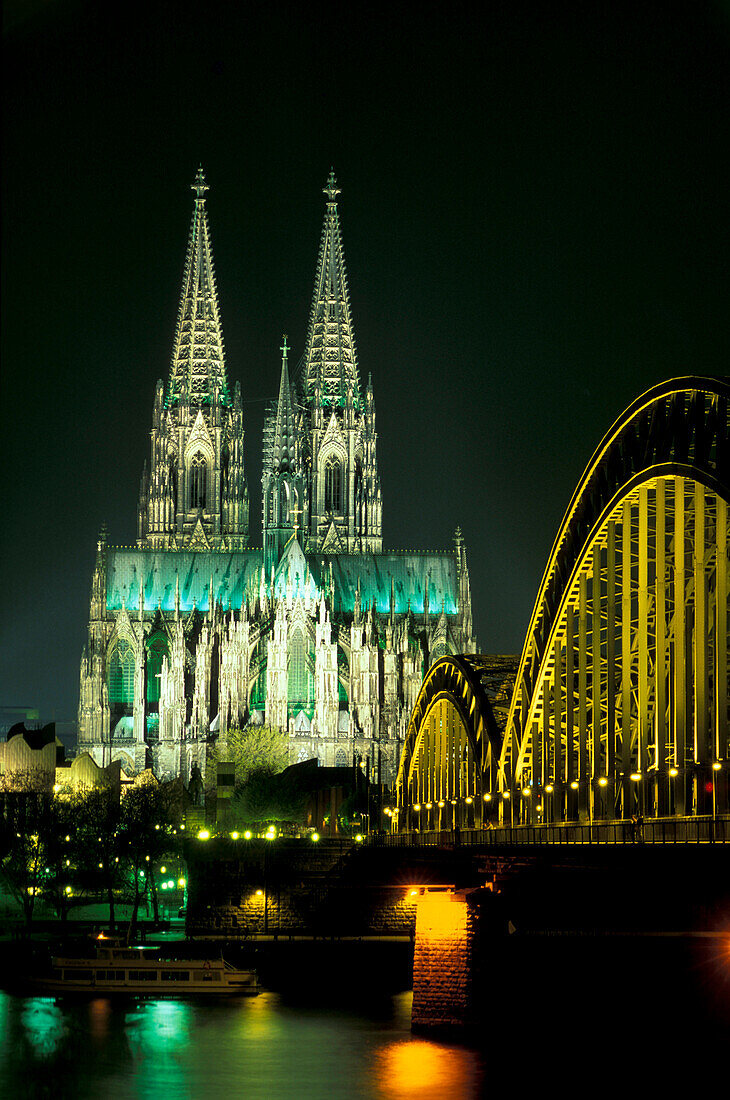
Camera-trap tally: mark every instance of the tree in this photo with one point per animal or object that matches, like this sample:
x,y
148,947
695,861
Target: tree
x,y
267,798
255,750
149,814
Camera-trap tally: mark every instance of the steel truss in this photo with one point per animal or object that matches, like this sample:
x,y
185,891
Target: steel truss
x,y
620,705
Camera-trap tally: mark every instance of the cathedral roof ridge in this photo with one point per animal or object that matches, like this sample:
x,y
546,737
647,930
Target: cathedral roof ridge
x,y
197,368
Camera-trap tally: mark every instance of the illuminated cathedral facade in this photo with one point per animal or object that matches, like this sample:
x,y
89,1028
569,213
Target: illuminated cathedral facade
x,y
318,632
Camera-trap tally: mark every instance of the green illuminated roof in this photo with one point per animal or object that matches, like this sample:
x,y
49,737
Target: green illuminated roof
x,y
197,370
236,574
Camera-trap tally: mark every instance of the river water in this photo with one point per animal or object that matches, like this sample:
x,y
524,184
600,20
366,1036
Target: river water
x,y
644,1015
258,1047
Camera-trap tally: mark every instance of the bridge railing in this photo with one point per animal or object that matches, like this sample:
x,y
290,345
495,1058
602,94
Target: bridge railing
x,y
671,830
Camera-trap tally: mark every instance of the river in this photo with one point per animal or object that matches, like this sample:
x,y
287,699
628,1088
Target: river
x,y
643,1015
259,1048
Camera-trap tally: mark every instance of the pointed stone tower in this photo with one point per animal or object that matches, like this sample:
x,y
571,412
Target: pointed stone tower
x,y
343,509
195,494
283,486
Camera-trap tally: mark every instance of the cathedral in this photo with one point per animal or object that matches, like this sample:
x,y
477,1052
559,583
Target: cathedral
x,y
319,632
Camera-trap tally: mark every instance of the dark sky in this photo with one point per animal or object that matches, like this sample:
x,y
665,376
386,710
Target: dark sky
x,y
534,212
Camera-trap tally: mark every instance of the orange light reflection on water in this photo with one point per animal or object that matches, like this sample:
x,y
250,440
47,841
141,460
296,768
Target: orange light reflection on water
x,y
417,1067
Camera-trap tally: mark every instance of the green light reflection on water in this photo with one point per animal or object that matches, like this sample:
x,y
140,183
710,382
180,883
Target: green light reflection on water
x,y
44,1024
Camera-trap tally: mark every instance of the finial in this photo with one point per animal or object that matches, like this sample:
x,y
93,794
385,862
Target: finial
x,y
199,186
331,190
284,349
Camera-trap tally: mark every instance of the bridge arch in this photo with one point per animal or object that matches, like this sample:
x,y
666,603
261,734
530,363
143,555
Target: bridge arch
x,y
621,699
452,746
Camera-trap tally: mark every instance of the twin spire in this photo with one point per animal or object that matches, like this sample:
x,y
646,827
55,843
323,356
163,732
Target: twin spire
x,y
197,370
329,371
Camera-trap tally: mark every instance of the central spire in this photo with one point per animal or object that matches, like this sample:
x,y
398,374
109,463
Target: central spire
x,y
330,358
284,431
197,370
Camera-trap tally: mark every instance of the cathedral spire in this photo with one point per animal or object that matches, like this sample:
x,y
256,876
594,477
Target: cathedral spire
x,y
284,447
197,370
330,358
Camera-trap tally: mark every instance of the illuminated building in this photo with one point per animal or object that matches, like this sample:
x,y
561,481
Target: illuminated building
x,y
319,631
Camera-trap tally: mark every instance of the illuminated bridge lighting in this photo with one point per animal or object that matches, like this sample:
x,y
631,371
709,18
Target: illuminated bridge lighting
x,y
619,704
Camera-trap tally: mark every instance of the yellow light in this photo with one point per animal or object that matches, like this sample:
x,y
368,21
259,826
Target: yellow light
x,y
673,772
602,781
414,893
549,789
271,836
716,766
67,838
429,805
315,837
441,804
56,788
527,792
358,838
68,890
203,835
487,798
574,785
181,882
636,776
417,807
539,808
259,893
505,794
469,800
163,870
247,834
101,866
234,836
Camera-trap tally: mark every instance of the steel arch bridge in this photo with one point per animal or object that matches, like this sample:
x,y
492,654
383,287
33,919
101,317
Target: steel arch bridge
x,y
620,702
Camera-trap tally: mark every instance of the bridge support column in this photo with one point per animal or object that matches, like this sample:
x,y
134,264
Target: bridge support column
x,y
442,959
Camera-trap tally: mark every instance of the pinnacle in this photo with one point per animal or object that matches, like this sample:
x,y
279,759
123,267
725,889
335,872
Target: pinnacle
x,y
330,356
199,186
284,431
331,190
197,371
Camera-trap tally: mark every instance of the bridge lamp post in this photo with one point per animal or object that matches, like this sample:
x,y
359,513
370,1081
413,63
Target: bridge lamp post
x,y
716,767
548,802
636,777
673,773
527,793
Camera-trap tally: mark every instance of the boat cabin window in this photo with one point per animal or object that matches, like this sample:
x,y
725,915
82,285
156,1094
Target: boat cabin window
x,y
110,975
206,975
175,975
78,975
143,975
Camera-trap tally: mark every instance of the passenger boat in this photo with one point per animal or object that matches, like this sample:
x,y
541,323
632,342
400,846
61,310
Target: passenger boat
x,y
138,971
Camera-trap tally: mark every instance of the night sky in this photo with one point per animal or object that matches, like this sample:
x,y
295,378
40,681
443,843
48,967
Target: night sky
x,y
534,213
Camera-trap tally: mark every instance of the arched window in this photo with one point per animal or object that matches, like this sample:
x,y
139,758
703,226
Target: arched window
x,y
283,503
333,486
300,680
121,677
341,760
198,481
156,650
